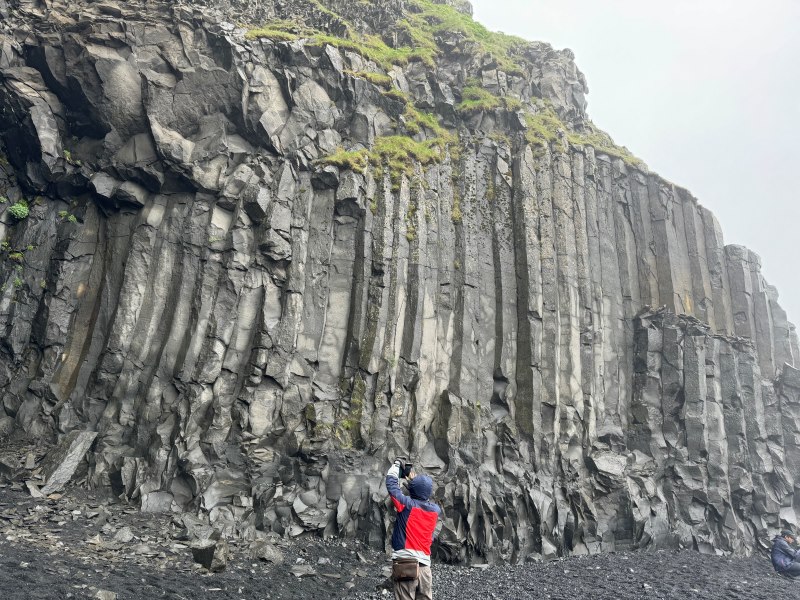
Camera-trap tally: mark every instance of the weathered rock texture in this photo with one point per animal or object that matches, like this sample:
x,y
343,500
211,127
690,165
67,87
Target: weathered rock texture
x,y
253,334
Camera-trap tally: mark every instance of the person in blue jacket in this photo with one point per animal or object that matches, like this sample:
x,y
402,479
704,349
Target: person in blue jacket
x,y
785,558
413,532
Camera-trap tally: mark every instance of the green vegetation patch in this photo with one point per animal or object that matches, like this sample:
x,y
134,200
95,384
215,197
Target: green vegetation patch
x,y
603,143
433,19
377,79
370,47
397,153
425,21
280,31
543,127
398,95
19,210
353,160
477,99
416,121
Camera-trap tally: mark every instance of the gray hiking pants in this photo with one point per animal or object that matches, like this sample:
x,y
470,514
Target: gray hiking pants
x,y
419,589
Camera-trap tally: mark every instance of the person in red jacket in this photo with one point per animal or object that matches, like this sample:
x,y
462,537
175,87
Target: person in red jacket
x,y
412,535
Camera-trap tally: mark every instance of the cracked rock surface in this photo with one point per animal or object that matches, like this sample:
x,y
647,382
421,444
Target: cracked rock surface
x,y
556,334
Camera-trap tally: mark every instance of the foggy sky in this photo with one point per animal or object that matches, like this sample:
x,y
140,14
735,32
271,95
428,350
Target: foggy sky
x,y
706,92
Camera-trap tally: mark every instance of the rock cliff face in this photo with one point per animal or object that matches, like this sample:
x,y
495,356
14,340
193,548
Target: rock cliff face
x,y
262,262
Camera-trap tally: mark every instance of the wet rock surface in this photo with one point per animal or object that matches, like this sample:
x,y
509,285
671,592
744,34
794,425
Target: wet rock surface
x,y
253,330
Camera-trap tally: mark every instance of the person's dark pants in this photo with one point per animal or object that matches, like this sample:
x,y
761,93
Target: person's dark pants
x,y
793,570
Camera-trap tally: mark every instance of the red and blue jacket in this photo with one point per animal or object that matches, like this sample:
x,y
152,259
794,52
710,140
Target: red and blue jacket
x,y
415,524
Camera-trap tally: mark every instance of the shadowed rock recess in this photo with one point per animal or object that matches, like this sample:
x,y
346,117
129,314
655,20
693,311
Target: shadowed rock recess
x,y
261,248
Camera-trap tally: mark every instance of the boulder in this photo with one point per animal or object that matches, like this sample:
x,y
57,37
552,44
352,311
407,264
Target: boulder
x,y
60,463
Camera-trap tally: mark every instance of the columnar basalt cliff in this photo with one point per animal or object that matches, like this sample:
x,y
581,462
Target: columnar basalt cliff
x,y
261,248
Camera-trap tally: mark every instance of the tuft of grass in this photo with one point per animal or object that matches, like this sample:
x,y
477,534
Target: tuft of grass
x,y
399,152
398,95
411,218
19,210
455,213
67,216
416,121
353,160
279,31
543,127
500,138
377,79
602,142
375,49
16,256
476,99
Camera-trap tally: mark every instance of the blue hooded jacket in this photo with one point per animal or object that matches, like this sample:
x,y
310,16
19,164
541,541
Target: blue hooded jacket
x,y
782,554
416,518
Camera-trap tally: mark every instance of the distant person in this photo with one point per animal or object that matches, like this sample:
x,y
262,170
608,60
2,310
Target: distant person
x,y
413,533
785,558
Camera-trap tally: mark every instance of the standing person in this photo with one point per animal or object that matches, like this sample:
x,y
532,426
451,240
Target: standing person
x,y
785,559
413,534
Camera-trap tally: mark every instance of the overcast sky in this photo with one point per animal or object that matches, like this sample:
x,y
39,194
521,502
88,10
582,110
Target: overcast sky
x,y
706,92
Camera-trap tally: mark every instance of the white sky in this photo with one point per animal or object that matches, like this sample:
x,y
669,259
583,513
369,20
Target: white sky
x,y
706,92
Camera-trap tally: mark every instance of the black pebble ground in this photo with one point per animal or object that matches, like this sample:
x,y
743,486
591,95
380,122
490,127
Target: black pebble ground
x,y
62,548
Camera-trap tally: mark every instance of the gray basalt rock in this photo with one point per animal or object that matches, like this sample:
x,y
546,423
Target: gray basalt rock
x,y
62,461
248,280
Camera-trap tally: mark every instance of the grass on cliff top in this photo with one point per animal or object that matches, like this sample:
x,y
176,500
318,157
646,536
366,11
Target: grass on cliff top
x,y
430,19
603,143
424,22
371,47
543,130
397,153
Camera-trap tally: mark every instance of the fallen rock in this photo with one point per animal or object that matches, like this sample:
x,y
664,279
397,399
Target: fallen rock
x,y
267,552
34,489
157,502
303,571
124,535
213,555
61,462
221,557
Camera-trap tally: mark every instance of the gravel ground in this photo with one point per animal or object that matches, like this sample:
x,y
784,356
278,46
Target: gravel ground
x,y
45,553
624,576
77,544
